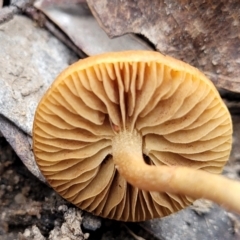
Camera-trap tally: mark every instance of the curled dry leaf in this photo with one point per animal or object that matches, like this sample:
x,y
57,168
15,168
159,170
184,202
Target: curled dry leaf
x,y
202,33
104,113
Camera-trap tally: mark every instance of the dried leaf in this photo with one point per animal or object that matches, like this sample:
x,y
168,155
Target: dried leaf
x,y
187,224
32,64
82,28
20,142
202,33
28,63
15,7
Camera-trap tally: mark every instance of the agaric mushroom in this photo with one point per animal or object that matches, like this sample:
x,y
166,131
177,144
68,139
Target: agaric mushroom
x,y
127,136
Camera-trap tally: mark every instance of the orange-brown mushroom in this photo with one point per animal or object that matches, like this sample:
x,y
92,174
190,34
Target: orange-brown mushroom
x,y
134,135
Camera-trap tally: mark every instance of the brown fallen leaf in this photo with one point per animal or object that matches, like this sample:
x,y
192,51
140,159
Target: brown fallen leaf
x,y
202,33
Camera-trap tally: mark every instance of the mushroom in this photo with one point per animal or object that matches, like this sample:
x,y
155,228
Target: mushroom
x,y
134,135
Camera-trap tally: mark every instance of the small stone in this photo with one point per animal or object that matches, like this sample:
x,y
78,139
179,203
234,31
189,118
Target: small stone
x,y
7,163
71,227
9,172
20,198
33,234
63,208
25,190
91,222
16,179
27,233
9,188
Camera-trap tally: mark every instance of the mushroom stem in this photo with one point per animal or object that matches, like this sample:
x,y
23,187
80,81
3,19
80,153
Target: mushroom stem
x,y
127,156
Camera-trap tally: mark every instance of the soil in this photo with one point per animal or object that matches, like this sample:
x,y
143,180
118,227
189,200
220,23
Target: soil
x,y
25,201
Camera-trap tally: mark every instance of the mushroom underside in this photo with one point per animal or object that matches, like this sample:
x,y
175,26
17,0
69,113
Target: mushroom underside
x,y
177,115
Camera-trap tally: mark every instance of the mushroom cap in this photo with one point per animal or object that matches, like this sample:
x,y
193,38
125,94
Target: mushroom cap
x,y
175,108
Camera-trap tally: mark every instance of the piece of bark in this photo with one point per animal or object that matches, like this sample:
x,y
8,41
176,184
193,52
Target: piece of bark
x,y
202,33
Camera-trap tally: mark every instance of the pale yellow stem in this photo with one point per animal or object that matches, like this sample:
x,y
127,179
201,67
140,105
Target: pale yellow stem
x,y
127,155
